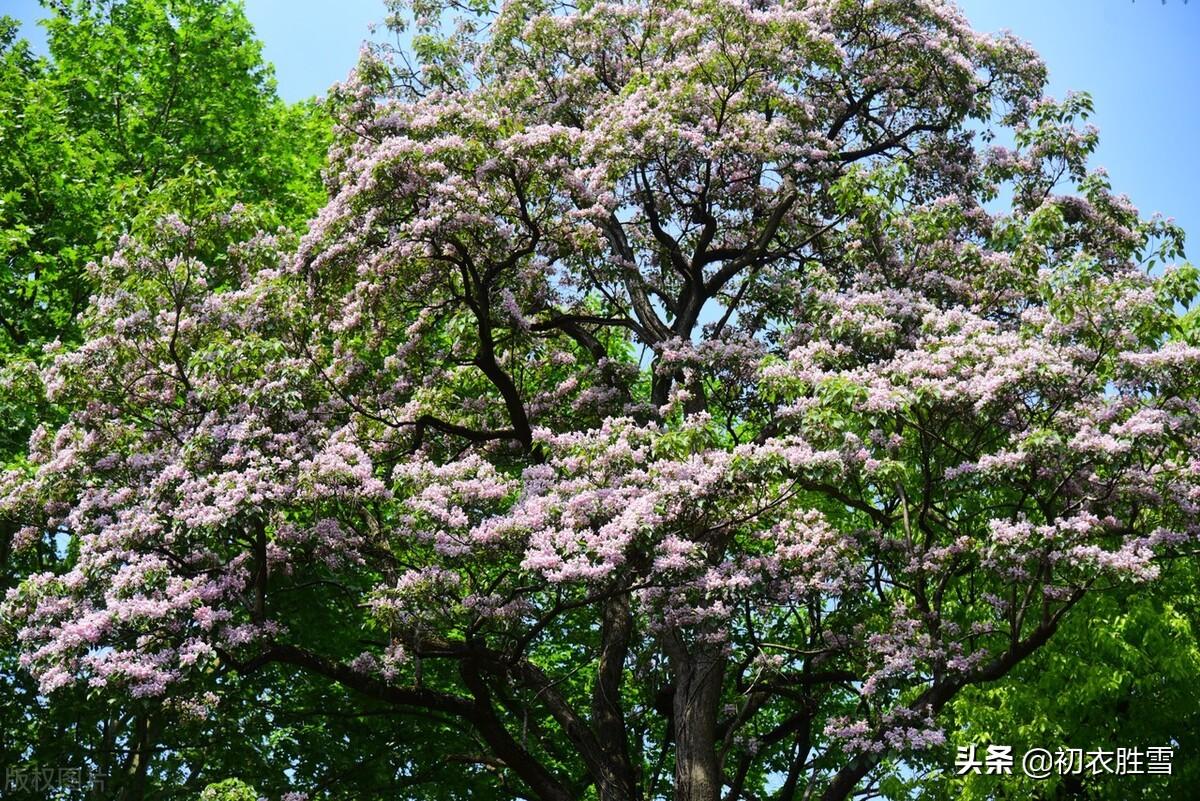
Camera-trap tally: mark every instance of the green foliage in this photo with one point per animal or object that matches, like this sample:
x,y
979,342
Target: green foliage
x,y
134,95
1134,687
229,790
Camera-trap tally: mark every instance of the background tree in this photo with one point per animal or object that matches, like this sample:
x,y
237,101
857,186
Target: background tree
x,y
141,108
134,93
1133,690
660,407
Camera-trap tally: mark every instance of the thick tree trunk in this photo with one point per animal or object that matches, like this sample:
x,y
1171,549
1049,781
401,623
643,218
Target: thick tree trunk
x,y
699,673
7,530
145,737
616,782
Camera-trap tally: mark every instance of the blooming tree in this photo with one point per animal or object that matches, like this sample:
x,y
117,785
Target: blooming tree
x,y
676,399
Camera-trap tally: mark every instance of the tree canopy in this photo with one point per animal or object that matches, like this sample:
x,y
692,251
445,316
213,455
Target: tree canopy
x,y
676,399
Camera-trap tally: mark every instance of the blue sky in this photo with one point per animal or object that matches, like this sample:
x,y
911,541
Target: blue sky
x,y
1140,59
1141,63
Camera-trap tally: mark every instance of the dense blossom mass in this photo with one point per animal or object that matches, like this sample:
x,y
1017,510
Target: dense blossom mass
x,y
688,382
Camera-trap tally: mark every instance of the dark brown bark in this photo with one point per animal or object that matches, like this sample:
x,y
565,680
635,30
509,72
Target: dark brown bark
x,y
145,737
616,782
699,674
7,530
521,762
260,570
